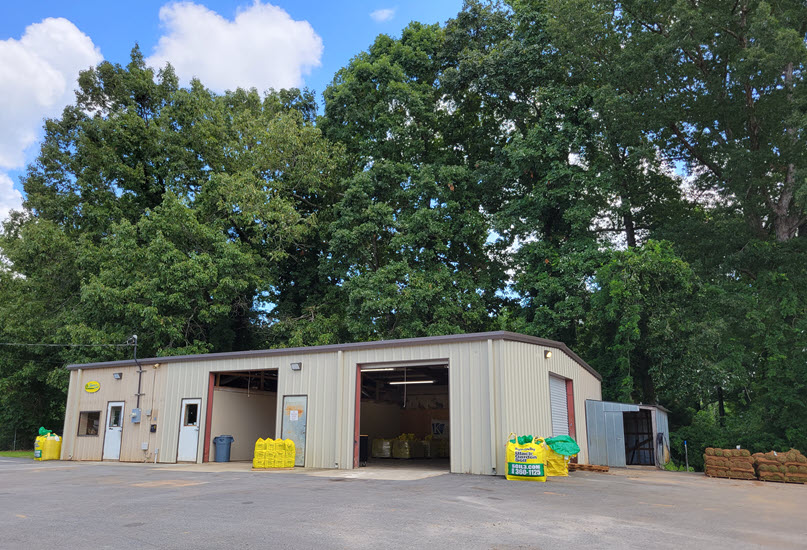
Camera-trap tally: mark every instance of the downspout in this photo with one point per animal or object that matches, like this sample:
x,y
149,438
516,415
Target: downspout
x,y
492,405
139,371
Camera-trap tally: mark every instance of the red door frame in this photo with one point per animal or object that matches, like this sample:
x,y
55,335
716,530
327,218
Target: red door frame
x,y
357,420
570,411
208,418
570,408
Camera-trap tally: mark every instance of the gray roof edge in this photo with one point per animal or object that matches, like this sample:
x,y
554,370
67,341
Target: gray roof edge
x,y
329,348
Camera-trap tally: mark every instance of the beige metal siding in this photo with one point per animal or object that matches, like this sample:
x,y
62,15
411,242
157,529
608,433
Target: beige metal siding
x,y
496,386
523,392
319,380
91,447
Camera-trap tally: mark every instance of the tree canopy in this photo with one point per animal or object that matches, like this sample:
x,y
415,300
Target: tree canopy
x,y
628,177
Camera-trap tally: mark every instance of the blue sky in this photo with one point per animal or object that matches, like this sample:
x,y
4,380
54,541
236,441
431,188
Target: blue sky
x,y
44,43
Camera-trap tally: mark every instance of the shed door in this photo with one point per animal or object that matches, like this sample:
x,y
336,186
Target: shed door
x,y
606,432
615,434
559,404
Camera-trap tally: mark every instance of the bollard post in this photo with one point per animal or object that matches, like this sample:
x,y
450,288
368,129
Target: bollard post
x,y
686,454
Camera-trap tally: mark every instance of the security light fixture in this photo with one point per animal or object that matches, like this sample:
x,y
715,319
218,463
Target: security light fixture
x,y
402,382
117,375
296,366
547,354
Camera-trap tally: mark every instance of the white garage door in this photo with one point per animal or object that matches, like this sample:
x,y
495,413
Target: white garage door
x,y
560,411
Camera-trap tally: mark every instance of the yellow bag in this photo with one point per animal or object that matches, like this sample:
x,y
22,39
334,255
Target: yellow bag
x,y
525,461
259,460
557,465
272,449
291,454
52,447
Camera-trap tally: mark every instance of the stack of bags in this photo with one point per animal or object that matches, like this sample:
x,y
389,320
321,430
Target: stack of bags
x,y
729,463
271,453
790,466
382,448
407,446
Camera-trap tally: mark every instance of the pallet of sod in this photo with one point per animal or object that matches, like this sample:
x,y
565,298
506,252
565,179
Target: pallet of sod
x,y
729,463
790,466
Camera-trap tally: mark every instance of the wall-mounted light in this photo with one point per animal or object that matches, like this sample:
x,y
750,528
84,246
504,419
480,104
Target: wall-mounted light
x,y
296,366
117,375
547,354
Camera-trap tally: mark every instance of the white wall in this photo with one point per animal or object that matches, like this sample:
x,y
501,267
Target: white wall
x,y
246,417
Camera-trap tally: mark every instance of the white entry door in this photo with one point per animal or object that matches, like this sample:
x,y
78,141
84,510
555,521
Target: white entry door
x,y
189,430
114,430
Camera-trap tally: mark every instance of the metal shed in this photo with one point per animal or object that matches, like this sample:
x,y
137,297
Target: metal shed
x,y
622,434
494,383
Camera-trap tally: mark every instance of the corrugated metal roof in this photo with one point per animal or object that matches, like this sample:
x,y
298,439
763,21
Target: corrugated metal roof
x,y
429,340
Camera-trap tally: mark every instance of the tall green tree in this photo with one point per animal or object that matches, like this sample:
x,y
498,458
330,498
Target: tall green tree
x,y
181,215
716,85
409,243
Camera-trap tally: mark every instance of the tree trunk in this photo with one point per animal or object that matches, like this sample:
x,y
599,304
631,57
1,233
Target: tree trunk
x,y
630,229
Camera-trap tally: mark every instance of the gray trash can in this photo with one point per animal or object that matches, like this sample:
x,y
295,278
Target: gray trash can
x,y
222,444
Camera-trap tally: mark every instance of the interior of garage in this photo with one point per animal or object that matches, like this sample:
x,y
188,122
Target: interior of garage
x,y
404,416
244,406
638,438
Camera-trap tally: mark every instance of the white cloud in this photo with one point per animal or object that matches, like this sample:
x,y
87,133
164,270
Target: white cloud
x,y
382,15
263,47
38,73
10,198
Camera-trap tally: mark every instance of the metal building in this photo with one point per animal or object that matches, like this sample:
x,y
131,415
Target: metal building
x,y
621,434
478,387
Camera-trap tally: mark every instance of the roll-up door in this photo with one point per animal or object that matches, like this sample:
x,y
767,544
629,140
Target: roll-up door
x,y
560,410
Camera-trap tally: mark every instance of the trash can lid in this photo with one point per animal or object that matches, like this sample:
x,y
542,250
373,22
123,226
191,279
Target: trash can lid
x,y
224,438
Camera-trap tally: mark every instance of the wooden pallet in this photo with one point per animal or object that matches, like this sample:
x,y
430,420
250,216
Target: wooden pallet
x,y
587,467
270,469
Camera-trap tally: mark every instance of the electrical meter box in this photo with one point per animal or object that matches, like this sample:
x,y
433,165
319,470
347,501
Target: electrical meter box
x,y
135,416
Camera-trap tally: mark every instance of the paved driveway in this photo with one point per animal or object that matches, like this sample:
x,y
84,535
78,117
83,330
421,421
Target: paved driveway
x,y
111,505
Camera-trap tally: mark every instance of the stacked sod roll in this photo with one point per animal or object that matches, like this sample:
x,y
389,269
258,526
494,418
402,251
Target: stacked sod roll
x,y
790,466
729,463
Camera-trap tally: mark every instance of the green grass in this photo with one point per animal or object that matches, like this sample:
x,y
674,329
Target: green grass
x,y
18,454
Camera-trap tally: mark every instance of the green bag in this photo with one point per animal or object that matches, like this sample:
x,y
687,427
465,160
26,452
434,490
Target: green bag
x,y
563,445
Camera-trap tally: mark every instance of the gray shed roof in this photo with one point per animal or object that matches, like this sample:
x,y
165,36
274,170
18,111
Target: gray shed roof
x,y
428,340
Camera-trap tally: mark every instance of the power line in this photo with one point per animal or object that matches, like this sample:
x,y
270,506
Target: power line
x,y
68,345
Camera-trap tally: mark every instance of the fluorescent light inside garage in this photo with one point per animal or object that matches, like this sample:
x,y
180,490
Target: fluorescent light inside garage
x,y
399,383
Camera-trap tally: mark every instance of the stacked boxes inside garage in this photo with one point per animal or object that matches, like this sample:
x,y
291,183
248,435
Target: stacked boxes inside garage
x,y
729,463
408,446
790,466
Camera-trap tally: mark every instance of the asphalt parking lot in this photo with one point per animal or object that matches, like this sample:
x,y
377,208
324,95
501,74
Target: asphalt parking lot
x,y
112,505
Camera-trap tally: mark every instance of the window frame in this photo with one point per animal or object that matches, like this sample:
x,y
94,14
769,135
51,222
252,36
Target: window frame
x,y
78,427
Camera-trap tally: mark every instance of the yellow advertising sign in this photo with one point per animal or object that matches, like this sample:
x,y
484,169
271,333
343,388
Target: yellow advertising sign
x,y
92,386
